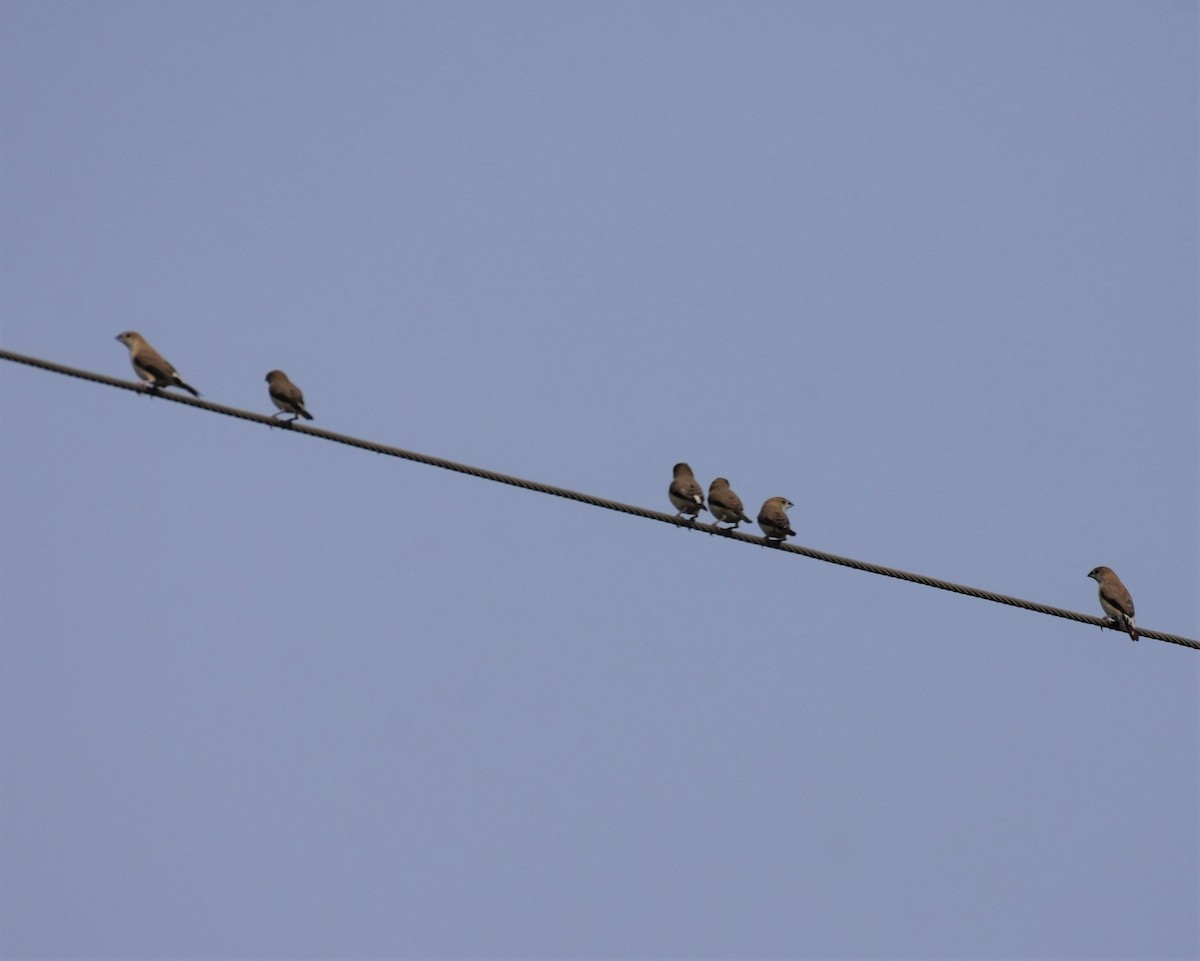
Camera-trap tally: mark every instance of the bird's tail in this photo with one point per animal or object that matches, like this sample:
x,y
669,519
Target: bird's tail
x,y
1133,634
303,413
188,387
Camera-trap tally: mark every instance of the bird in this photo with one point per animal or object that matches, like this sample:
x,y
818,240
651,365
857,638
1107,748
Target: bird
x,y
286,396
773,519
725,504
685,493
150,365
1115,599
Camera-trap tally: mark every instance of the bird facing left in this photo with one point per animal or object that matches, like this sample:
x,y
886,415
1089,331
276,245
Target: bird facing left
x,y
286,396
150,365
1115,599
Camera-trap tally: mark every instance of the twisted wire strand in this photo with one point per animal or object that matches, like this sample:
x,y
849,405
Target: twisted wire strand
x,y
711,529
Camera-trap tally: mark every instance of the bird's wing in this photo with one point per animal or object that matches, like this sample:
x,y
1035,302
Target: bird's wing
x,y
1117,595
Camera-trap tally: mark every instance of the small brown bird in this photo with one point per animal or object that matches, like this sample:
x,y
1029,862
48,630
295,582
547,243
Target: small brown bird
x,y
725,504
773,519
286,395
1115,599
150,365
685,493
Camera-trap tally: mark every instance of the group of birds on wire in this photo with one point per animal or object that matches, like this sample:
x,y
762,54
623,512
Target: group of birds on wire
x,y
685,492
725,506
157,372
687,496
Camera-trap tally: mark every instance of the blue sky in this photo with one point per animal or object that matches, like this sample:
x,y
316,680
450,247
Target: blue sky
x,y
928,269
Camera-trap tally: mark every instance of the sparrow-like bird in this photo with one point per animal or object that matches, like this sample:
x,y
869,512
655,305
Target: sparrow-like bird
x,y
725,504
286,395
1115,599
773,519
150,365
685,493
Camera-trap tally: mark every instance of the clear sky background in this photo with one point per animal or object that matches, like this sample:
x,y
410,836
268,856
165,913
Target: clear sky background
x,y
926,268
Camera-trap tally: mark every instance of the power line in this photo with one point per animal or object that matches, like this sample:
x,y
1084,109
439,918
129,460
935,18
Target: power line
x,y
589,499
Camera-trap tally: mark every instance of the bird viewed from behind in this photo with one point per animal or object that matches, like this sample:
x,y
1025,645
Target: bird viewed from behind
x,y
286,396
685,493
725,505
1115,599
150,365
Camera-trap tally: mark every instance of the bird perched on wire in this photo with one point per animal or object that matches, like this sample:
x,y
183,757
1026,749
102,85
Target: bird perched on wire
x,y
685,493
725,505
1115,599
286,395
773,519
150,365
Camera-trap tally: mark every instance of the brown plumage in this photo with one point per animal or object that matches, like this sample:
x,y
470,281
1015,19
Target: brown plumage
x,y
773,519
685,493
286,396
150,365
725,504
1115,599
